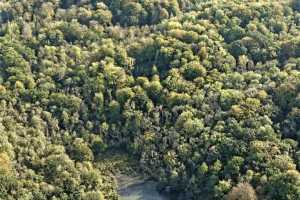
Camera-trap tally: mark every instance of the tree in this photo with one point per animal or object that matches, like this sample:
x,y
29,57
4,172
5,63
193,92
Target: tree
x,y
5,163
114,111
93,196
296,5
103,16
124,95
193,70
284,186
80,151
243,191
230,97
134,14
27,32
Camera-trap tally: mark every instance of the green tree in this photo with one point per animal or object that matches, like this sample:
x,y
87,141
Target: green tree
x,y
284,186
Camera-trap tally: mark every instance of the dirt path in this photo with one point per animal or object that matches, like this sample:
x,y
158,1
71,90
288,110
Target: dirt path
x,y
137,188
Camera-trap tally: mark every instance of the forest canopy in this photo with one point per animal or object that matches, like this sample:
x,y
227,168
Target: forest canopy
x,y
203,94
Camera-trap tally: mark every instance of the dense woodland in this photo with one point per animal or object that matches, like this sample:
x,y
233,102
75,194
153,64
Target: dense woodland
x,y
204,94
